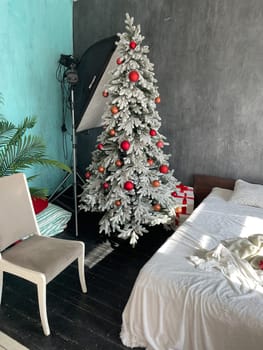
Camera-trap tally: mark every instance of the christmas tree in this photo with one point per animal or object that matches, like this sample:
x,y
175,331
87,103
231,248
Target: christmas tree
x,y
129,177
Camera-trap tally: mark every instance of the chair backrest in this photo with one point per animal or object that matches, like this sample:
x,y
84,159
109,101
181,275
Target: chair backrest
x,y
17,216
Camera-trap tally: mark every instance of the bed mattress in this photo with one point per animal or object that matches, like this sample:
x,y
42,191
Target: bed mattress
x,y
177,306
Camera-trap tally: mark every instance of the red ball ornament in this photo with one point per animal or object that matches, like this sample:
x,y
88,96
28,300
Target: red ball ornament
x,y
125,145
106,185
134,76
174,194
118,203
157,99
150,161
133,44
156,183
119,60
112,132
100,146
118,163
129,185
157,207
114,109
153,132
164,169
159,144
105,93
87,175
101,169
178,210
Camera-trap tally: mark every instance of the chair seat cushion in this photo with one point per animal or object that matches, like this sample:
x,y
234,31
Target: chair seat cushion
x,y
47,255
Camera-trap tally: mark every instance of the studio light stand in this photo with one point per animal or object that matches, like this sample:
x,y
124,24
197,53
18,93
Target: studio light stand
x,y
71,78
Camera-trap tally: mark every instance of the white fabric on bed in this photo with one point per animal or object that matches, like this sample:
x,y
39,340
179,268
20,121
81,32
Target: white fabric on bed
x,y
176,306
242,276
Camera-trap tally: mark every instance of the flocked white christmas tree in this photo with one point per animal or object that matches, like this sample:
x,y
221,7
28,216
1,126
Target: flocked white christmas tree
x,y
129,178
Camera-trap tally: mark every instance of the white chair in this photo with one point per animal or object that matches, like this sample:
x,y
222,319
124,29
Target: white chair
x,y
35,258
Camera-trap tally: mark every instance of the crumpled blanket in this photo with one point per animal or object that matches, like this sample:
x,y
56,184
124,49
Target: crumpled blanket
x,y
239,259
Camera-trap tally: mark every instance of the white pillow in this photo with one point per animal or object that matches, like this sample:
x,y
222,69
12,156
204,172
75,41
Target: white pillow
x,y
246,193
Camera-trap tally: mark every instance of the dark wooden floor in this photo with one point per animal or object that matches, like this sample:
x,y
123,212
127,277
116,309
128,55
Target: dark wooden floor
x,y
79,321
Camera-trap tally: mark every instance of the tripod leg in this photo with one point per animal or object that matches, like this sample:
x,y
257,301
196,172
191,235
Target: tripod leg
x,y
81,179
53,197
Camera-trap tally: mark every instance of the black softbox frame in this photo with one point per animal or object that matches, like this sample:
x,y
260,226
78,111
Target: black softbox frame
x,y
90,69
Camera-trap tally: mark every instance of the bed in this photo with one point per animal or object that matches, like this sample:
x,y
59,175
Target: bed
x,y
175,305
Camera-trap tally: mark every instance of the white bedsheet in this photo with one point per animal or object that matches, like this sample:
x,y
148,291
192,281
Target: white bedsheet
x,y
177,306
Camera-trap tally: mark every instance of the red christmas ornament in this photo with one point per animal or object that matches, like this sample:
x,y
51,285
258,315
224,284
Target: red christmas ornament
x,y
87,175
112,132
105,93
100,146
159,144
133,45
153,132
114,109
129,185
150,161
156,183
106,185
174,194
134,76
118,163
157,99
157,207
164,169
125,145
178,210
101,169
119,60
260,264
118,203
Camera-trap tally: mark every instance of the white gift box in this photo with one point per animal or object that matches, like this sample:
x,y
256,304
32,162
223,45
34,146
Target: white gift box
x,y
185,200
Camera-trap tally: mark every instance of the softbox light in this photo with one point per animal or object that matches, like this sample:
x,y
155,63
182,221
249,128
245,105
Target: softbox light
x,y
93,65
96,106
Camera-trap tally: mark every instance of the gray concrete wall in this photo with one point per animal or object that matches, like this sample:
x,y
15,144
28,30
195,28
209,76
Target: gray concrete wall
x,y
208,57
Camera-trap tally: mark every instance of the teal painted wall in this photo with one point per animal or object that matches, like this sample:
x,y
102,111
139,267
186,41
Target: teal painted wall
x,y
33,34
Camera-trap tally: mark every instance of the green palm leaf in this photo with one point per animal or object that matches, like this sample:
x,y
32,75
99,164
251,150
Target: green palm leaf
x,y
38,192
27,123
21,155
7,132
19,151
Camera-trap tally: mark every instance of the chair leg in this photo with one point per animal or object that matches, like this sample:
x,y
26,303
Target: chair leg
x,y
81,268
41,291
1,284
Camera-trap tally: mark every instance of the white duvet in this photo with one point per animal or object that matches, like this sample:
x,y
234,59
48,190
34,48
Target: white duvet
x,y
177,306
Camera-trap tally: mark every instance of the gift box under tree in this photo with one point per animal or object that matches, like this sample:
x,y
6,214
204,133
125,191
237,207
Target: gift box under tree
x,y
185,197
